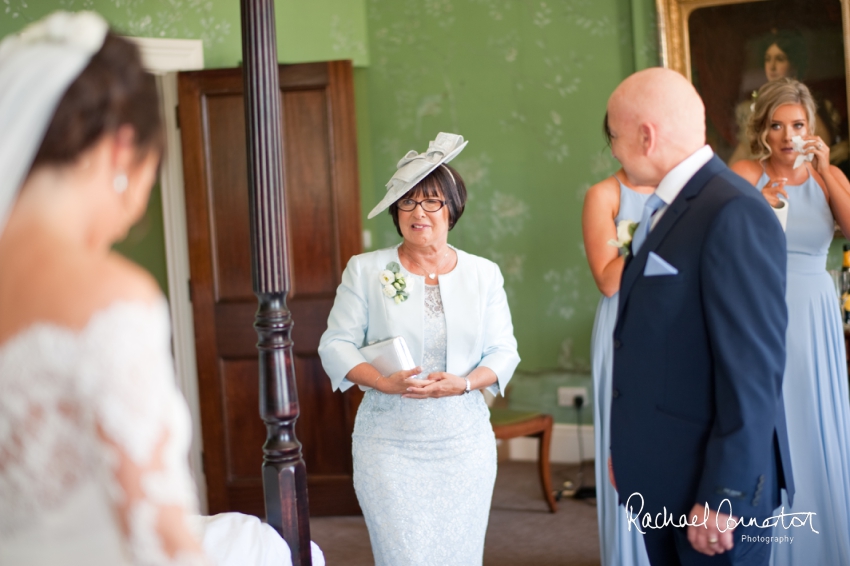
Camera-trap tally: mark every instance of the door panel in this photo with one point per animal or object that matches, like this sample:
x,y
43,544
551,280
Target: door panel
x,y
309,166
224,133
323,229
240,389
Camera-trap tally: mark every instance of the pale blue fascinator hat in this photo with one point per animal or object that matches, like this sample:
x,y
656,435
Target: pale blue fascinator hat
x,y
414,167
37,65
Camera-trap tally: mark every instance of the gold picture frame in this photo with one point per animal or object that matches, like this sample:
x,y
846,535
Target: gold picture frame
x,y
674,34
676,41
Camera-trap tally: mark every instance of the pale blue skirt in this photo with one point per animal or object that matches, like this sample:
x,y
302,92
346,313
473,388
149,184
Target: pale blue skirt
x,y
817,409
619,546
424,471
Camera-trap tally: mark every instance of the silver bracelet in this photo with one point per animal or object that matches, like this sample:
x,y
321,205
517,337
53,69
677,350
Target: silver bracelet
x,y
467,386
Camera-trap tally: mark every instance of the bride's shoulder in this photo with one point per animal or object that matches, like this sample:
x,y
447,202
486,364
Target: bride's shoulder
x,y
119,279
67,291
108,281
96,281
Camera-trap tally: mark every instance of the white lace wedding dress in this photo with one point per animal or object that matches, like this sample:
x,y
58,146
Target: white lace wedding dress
x,y
94,437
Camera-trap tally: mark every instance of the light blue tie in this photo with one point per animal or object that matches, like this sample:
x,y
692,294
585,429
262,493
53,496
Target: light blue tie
x,y
653,203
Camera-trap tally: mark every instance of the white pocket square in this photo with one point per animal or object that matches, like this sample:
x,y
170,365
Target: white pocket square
x,y
655,266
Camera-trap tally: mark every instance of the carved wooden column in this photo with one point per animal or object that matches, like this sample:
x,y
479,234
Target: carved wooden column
x,y
284,473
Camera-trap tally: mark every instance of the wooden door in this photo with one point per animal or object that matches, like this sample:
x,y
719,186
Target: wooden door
x,y
323,232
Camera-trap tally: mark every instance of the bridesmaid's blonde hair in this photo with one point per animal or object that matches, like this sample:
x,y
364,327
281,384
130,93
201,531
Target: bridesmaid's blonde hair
x,y
770,97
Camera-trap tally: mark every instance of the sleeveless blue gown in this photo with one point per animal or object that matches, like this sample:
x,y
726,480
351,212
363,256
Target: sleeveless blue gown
x,y
618,545
817,402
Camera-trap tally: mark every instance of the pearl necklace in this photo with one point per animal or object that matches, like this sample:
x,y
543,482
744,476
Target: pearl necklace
x,y
433,274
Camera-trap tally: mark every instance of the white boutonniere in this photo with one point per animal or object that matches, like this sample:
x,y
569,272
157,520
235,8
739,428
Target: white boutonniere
x,y
625,233
394,283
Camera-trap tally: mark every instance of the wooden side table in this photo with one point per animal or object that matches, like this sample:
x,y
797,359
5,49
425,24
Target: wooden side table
x,y
508,424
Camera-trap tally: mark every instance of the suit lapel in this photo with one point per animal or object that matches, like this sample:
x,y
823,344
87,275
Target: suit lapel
x,y
635,265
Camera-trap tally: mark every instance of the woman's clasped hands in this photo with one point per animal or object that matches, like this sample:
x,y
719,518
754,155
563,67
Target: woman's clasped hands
x,y
438,384
398,383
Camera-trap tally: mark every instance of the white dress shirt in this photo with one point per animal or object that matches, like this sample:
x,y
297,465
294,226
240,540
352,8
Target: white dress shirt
x,y
674,181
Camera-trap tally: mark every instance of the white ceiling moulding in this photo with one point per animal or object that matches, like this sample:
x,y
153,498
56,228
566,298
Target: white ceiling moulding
x,y
161,56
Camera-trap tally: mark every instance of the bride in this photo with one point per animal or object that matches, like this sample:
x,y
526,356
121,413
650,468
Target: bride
x,y
93,431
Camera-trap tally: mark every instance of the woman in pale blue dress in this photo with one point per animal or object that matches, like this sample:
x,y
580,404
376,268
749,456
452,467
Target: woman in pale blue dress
x,y
606,205
817,402
424,451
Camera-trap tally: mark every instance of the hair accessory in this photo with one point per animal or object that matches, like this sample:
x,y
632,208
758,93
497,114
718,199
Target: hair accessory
x,y
449,171
36,67
120,183
414,167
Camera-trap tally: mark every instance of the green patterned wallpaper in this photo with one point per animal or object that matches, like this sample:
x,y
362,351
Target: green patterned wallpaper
x,y
317,30
525,81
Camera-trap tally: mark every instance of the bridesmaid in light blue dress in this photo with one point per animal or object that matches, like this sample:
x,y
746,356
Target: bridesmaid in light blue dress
x,y
815,389
606,205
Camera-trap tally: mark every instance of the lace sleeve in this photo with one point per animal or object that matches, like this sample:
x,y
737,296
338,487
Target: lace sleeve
x,y
144,428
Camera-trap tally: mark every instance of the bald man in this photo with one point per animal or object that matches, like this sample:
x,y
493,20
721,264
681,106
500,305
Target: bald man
x,y
697,418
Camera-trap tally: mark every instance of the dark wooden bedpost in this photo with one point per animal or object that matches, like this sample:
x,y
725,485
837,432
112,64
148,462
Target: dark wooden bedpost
x,y
284,472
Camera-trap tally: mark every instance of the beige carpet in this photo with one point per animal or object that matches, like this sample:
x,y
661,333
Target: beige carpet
x,y
521,531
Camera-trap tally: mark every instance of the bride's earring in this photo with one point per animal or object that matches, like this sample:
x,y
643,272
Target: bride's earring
x,y
120,183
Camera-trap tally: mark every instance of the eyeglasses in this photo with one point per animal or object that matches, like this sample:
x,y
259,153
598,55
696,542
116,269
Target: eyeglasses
x,y
428,205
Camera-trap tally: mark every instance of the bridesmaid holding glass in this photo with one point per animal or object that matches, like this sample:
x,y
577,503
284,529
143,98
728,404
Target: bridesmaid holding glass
x,y
815,388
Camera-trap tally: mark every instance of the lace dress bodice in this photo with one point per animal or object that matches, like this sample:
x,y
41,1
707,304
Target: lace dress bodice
x,y
434,358
93,442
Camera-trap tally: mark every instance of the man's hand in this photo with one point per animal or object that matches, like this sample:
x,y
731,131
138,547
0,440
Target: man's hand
x,y
709,538
611,473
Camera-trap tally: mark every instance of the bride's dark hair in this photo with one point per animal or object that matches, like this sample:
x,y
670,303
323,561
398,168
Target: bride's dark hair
x,y
112,91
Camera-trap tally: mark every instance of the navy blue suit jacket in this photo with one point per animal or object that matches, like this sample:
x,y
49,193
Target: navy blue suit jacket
x,y
697,413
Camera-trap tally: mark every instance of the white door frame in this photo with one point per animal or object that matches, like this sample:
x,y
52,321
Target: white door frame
x,y
164,57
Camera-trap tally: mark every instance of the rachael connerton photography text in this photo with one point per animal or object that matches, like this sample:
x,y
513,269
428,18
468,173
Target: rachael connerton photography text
x,y
665,519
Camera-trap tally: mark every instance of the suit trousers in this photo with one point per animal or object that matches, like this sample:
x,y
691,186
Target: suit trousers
x,y
670,547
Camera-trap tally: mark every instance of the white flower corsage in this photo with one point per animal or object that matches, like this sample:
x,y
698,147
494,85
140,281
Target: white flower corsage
x,y
625,233
394,283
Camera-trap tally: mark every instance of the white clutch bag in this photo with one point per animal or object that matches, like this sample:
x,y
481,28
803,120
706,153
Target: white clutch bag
x,y
388,356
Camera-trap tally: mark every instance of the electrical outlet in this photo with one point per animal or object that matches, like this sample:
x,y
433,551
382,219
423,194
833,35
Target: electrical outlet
x,y
566,396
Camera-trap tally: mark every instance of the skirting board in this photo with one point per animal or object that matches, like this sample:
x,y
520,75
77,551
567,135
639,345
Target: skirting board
x,y
564,448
